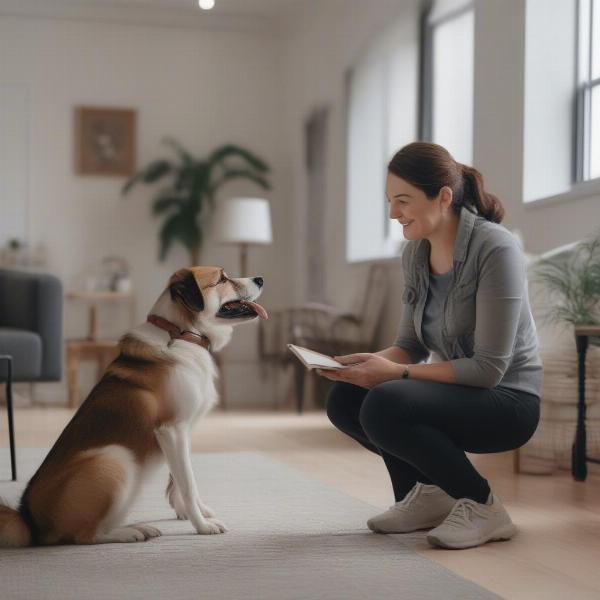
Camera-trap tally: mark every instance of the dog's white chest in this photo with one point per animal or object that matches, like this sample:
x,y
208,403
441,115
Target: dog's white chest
x,y
191,386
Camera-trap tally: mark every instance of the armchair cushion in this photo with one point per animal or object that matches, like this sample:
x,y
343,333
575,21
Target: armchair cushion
x,y
33,302
25,347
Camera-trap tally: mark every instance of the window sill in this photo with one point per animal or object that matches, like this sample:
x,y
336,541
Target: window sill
x,y
584,189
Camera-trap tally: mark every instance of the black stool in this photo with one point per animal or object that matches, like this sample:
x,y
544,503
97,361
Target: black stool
x,y
9,408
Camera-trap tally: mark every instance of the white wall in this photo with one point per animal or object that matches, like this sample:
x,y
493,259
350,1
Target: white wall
x,y
203,88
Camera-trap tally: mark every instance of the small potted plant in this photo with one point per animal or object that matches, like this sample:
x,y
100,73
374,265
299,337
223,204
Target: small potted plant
x,y
573,284
187,200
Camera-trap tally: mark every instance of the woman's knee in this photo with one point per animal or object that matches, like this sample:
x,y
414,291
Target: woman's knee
x,y
383,406
375,407
343,403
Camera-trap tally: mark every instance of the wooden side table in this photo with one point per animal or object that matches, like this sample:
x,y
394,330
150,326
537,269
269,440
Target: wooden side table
x,y
101,351
91,348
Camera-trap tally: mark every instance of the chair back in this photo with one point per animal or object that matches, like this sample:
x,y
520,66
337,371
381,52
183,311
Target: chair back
x,y
372,303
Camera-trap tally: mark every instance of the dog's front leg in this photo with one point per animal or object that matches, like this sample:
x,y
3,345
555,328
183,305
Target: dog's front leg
x,y
173,441
176,502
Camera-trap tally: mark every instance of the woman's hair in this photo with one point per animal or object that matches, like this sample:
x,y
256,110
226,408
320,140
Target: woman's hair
x,y
430,167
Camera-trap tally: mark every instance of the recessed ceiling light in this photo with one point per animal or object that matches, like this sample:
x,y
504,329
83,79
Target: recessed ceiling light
x,y
206,4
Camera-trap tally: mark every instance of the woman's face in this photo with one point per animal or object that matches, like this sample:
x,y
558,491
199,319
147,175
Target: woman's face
x,y
418,215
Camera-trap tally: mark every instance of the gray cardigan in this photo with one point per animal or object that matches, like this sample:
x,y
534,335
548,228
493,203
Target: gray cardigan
x,y
488,331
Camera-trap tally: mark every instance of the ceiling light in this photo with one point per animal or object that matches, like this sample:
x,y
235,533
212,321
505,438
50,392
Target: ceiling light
x,y
206,4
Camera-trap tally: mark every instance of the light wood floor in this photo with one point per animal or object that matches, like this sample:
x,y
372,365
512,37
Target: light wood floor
x,y
556,554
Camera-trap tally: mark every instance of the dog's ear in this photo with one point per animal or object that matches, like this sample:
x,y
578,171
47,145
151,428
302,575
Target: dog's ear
x,y
183,286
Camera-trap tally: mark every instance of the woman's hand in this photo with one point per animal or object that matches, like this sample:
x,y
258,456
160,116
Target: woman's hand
x,y
367,370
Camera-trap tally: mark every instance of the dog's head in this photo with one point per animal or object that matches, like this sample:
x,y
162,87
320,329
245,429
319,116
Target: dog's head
x,y
207,299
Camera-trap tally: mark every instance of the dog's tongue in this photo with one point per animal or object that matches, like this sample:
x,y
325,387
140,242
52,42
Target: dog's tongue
x,y
260,311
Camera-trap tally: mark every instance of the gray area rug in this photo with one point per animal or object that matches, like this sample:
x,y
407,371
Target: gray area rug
x,y
290,537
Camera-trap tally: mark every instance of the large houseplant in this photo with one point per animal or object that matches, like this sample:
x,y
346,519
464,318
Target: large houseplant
x,y
573,284
188,198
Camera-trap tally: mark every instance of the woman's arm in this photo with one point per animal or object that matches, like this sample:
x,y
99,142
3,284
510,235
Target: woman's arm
x,y
369,370
499,297
396,354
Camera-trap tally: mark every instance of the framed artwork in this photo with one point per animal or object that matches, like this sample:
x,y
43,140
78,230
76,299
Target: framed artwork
x,y
104,141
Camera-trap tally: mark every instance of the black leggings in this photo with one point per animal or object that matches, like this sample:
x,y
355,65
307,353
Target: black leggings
x,y
422,429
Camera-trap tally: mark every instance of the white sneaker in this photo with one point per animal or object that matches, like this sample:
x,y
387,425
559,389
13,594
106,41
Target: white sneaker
x,y
472,524
425,506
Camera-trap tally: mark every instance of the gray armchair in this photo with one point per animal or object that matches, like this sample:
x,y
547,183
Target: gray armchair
x,y
31,314
30,334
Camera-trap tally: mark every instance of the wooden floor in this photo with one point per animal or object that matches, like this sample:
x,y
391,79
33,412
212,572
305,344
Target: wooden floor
x,y
556,554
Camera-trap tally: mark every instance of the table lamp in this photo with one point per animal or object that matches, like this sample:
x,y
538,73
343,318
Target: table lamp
x,y
243,221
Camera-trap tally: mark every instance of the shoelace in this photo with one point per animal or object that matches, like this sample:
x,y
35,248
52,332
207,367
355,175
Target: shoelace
x,y
462,512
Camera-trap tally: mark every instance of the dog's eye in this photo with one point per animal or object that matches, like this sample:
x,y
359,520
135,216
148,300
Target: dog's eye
x,y
223,279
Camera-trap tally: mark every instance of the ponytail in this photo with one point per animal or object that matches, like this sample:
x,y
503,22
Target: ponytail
x,y
474,195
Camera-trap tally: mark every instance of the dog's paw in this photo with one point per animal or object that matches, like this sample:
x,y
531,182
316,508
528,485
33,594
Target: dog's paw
x,y
219,523
211,528
122,535
147,530
206,511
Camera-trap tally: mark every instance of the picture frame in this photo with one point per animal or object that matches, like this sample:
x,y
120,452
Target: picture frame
x,y
105,141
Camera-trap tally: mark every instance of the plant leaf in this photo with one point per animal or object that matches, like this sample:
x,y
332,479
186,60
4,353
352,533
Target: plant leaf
x,y
240,174
153,172
165,202
229,150
185,156
180,227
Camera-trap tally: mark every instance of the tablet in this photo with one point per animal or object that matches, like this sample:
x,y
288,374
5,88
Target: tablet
x,y
315,360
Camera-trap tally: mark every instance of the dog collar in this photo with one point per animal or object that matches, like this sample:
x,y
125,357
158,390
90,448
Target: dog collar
x,y
179,334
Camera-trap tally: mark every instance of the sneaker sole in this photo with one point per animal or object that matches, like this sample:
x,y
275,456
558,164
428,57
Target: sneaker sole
x,y
418,528
500,535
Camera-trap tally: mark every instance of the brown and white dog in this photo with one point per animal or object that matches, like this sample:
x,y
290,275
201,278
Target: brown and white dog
x,y
140,412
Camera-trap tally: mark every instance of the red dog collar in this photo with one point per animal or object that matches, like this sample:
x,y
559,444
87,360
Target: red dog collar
x,y
179,334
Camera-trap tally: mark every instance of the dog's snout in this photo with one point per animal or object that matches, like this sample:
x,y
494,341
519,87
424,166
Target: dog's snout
x,y
258,281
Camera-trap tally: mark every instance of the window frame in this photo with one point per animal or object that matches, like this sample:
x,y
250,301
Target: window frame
x,y
584,88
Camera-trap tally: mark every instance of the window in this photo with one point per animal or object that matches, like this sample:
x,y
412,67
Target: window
x,y
550,61
381,118
562,97
447,116
588,91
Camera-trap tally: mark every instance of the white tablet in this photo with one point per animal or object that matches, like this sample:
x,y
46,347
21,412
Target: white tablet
x,y
315,360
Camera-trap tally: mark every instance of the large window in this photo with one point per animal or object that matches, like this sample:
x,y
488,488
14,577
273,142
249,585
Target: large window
x,y
562,97
588,91
381,118
447,113
550,60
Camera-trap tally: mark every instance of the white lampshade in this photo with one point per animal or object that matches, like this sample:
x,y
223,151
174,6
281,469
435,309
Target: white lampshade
x,y
243,221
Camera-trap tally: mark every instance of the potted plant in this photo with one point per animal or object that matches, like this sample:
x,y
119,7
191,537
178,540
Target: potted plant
x,y
187,200
574,284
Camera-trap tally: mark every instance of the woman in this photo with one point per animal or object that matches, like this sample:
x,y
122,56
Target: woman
x,y
465,299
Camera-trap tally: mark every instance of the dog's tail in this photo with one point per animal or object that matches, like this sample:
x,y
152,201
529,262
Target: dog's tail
x,y
14,531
